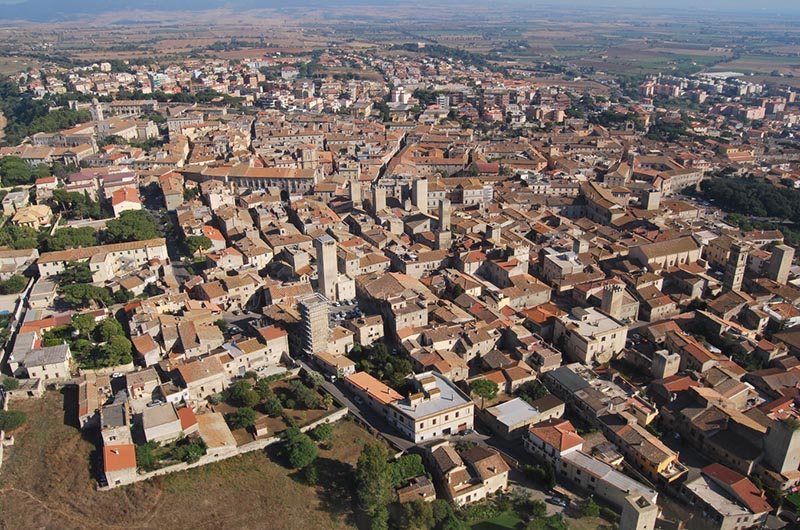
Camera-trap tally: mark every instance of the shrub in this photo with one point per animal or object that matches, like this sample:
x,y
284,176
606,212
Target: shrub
x,y
9,383
11,419
322,432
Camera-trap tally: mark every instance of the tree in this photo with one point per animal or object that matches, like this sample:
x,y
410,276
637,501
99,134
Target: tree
x,y
10,383
273,407
75,272
242,392
321,432
75,205
68,237
299,449
132,225
484,389
222,324
374,483
417,515
303,396
406,467
83,324
18,237
311,475
263,388
532,390
15,171
192,452
82,295
11,419
123,296
244,418
590,508
117,351
195,243
145,456
108,328
14,284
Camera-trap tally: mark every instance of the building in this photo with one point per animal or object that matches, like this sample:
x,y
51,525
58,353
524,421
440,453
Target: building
x,y
665,254
419,195
47,363
469,476
734,268
375,394
779,263
602,480
119,464
314,311
125,199
419,489
552,439
35,216
638,513
728,499
202,377
436,408
511,419
161,423
327,269
590,336
105,261
336,365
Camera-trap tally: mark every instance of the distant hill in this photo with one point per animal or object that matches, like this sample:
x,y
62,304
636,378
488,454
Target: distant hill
x,y
67,10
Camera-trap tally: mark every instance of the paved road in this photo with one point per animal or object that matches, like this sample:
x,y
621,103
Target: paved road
x,y
362,412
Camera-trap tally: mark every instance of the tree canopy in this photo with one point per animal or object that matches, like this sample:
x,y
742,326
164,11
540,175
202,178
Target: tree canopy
x,y
484,389
14,284
374,484
299,448
132,225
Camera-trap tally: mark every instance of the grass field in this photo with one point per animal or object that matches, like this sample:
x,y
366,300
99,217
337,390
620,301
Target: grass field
x,y
506,520
46,483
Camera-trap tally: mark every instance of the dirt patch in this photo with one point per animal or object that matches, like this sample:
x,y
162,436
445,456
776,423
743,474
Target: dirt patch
x,y
46,483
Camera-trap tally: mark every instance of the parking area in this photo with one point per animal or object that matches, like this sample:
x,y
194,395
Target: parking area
x,y
343,310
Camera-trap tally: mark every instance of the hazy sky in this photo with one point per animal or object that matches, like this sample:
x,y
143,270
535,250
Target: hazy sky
x,y
778,6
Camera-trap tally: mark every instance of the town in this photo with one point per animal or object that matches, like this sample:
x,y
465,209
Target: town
x,y
512,295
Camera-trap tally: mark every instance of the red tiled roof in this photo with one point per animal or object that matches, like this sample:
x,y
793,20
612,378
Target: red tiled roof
x,y
119,457
187,417
740,486
557,433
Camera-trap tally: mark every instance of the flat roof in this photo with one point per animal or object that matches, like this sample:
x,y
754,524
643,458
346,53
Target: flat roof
x,y
608,474
712,494
215,431
449,397
515,412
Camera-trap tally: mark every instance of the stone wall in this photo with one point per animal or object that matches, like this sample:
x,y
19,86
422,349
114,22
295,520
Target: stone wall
x,y
255,445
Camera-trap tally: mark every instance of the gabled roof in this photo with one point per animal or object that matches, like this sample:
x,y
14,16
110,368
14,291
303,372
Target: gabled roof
x,y
557,433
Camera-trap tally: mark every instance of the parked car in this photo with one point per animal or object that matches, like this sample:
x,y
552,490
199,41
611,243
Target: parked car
x,y
115,375
557,501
